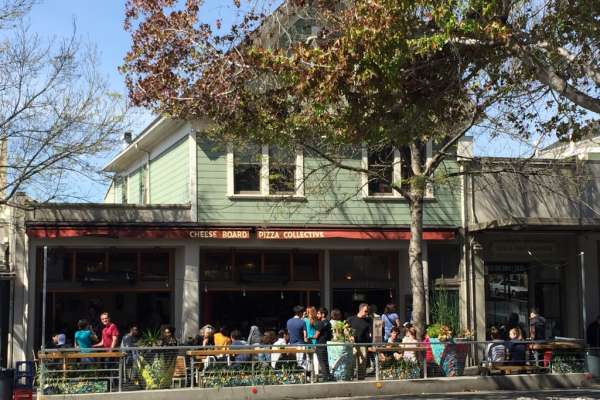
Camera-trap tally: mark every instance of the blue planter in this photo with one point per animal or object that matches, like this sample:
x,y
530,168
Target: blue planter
x,y
341,361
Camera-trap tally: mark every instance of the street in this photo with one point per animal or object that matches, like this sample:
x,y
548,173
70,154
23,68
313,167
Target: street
x,y
578,394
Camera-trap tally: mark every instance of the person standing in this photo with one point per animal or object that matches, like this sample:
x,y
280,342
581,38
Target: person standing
x,y
323,335
131,338
110,333
593,333
361,325
537,325
390,320
296,328
84,337
311,324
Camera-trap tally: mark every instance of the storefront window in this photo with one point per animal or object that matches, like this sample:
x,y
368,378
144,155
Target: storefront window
x,y
306,267
277,264
155,266
60,265
123,261
507,295
360,269
90,263
216,266
444,263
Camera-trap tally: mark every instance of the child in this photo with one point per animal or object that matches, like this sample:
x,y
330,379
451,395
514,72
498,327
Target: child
x,y
496,351
517,351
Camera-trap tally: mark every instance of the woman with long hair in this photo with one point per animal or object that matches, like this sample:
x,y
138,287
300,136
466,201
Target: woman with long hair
x,y
311,325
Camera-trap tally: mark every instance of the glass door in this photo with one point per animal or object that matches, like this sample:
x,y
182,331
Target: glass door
x,y
507,296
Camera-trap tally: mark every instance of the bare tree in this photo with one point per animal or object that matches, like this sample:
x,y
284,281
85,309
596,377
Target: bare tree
x,y
57,114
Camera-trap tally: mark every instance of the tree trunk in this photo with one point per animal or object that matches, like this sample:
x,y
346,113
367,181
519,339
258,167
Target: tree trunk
x,y
415,261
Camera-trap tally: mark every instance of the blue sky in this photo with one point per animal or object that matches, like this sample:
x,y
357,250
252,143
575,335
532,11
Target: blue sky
x,y
100,23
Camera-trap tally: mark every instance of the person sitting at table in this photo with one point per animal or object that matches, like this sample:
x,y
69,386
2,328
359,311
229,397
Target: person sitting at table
x,y
205,336
237,341
496,350
267,339
410,340
516,349
221,338
168,337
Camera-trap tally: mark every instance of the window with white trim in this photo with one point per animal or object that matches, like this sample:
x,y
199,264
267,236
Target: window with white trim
x,y
260,171
389,164
247,164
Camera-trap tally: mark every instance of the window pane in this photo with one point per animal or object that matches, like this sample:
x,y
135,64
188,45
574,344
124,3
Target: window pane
x,y
155,266
90,263
282,170
306,267
247,165
381,165
123,261
59,265
361,269
277,264
247,263
216,266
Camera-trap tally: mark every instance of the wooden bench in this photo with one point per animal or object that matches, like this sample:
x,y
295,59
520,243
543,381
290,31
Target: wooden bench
x,y
493,369
229,352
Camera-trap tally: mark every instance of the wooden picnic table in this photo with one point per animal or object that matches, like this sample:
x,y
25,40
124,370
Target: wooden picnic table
x,y
232,351
557,345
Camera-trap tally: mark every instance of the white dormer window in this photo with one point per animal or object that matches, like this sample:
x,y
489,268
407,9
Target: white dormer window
x,y
264,171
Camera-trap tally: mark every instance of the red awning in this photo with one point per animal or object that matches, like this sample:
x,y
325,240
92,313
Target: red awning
x,y
219,233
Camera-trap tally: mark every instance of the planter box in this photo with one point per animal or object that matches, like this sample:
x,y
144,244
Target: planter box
x,y
450,356
341,361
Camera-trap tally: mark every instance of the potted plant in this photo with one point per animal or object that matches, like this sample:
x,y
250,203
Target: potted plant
x,y
449,355
339,351
154,368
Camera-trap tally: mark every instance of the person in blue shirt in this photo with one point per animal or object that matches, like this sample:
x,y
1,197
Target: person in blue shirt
x,y
311,325
84,337
390,320
296,330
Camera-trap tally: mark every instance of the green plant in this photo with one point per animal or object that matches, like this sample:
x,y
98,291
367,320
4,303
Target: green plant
x,y
341,331
433,330
155,370
444,308
150,338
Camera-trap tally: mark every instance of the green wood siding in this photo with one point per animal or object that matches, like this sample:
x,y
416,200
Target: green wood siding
x,y
133,186
169,175
332,198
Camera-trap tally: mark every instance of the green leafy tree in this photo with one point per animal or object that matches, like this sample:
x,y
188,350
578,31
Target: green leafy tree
x,y
402,73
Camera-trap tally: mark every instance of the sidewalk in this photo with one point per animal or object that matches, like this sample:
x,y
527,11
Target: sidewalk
x,y
354,389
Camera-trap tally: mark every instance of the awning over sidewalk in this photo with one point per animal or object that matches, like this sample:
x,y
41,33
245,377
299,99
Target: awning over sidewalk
x,y
229,233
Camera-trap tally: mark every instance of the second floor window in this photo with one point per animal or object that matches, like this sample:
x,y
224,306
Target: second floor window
x,y
247,170
264,171
282,170
381,171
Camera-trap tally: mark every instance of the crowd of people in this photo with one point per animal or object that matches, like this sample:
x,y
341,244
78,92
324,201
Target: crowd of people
x,y
308,325
507,341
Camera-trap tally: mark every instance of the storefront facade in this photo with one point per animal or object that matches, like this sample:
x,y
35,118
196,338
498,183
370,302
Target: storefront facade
x,y
533,242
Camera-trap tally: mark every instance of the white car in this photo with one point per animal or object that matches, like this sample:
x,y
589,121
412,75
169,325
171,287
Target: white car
x,y
506,286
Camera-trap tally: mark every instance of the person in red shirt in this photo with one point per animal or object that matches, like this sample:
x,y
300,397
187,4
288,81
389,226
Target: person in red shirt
x,y
110,333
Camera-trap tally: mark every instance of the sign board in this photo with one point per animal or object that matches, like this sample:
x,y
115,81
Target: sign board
x,y
202,233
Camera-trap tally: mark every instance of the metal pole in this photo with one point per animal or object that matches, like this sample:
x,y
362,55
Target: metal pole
x,y
44,298
584,311
43,346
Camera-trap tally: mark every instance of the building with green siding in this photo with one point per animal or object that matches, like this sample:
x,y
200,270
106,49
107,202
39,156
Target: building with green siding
x,y
194,232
